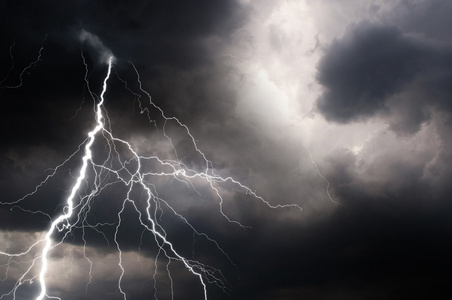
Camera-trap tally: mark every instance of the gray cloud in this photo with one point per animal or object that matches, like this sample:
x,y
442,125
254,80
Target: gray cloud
x,y
361,70
377,70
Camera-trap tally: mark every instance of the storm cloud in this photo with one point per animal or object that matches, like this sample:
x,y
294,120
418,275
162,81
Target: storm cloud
x,y
341,108
380,70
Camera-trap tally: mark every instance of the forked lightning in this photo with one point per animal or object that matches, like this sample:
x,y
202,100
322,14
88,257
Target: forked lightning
x,y
132,170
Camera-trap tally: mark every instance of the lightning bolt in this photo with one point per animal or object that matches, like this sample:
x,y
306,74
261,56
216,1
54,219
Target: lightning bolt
x,y
25,70
70,200
323,178
124,165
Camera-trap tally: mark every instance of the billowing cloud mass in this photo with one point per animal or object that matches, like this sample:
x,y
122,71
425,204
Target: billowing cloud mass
x,y
385,68
363,69
341,107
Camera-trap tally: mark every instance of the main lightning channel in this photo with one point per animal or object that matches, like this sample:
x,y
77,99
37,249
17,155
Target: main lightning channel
x,y
70,200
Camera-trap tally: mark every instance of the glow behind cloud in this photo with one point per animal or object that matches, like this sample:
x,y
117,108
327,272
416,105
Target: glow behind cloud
x,y
96,43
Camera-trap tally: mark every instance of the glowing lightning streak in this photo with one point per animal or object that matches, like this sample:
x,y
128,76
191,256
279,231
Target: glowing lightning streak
x,y
75,188
70,205
323,177
31,65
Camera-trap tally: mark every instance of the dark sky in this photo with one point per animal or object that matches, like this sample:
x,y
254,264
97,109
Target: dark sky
x,y
343,108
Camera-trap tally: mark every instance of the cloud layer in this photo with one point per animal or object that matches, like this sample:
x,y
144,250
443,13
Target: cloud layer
x,y
274,93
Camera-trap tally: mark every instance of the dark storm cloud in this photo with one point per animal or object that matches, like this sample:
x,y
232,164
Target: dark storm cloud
x,y
362,69
382,70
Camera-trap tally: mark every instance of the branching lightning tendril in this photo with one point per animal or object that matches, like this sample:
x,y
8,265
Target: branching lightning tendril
x,y
132,171
323,178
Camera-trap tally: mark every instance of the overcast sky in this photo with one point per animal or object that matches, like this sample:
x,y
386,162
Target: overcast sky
x,y
343,108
